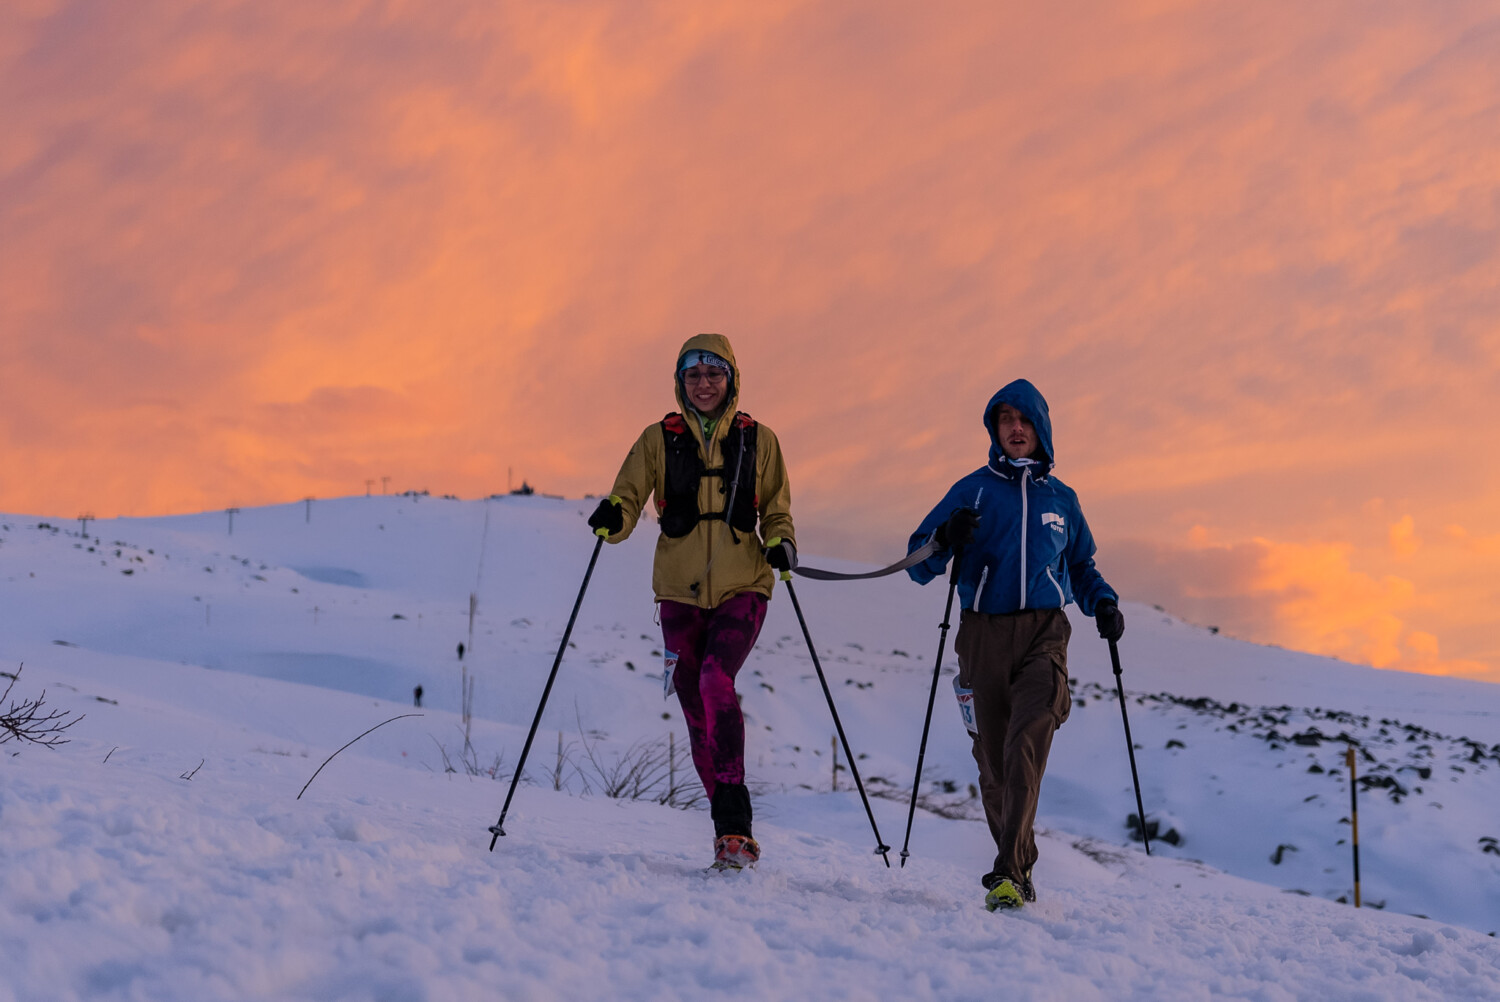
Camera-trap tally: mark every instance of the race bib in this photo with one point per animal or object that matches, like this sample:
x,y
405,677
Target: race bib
x,y
669,673
966,706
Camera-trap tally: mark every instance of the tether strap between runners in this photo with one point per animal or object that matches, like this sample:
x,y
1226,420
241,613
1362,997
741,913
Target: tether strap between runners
x,y
912,559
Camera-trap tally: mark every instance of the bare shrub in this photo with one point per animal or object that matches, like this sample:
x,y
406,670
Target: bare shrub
x,y
646,770
468,761
651,770
27,721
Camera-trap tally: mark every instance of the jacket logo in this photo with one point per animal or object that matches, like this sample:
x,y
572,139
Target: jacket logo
x,y
1055,520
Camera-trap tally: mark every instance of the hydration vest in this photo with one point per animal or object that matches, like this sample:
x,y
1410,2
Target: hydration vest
x,y
678,510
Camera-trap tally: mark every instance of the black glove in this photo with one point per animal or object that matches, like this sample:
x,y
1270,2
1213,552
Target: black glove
x,y
608,516
781,554
1109,619
958,531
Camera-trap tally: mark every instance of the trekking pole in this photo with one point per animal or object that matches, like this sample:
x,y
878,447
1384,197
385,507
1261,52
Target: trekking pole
x,y
916,784
1114,656
498,828
881,848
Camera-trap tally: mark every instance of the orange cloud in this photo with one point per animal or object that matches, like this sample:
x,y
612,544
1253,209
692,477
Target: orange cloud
x,y
1251,254
1306,596
1403,535
1423,656
1487,546
1326,607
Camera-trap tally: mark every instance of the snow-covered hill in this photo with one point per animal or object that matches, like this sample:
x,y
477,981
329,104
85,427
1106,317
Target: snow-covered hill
x,y
162,854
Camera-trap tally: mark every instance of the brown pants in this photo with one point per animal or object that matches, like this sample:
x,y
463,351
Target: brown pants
x,y
1017,665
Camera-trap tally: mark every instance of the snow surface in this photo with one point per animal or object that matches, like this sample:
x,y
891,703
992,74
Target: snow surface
x,y
163,854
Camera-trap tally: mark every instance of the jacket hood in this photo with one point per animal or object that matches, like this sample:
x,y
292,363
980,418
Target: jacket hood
x,y
1027,399
719,345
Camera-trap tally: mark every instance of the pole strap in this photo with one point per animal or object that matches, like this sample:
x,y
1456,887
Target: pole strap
x,y
911,560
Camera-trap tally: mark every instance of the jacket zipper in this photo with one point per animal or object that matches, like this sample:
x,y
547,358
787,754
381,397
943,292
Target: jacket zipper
x,y
984,572
708,568
1025,476
1062,600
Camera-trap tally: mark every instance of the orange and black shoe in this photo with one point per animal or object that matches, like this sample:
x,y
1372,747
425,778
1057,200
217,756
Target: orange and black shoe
x,y
735,852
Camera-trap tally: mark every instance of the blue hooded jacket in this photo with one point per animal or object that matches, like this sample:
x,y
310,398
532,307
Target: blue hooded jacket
x,y
1032,548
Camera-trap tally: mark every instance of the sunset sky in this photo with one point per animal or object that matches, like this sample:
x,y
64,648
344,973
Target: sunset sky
x,y
254,251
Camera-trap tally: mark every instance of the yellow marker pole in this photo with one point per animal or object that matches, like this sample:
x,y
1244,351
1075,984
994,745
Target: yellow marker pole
x,y
1354,817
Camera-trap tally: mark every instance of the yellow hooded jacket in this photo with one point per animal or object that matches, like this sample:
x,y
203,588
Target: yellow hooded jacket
x,y
706,566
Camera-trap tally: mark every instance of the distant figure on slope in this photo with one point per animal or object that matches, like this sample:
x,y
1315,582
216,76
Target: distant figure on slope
x,y
716,473
1026,552
416,695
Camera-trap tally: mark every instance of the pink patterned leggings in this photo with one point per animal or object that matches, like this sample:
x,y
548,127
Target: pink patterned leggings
x,y
711,646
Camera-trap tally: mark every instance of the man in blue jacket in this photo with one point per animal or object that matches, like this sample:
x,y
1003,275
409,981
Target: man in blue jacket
x,y
1024,553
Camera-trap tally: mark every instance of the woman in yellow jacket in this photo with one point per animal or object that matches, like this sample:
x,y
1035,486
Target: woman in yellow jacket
x,y
720,486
